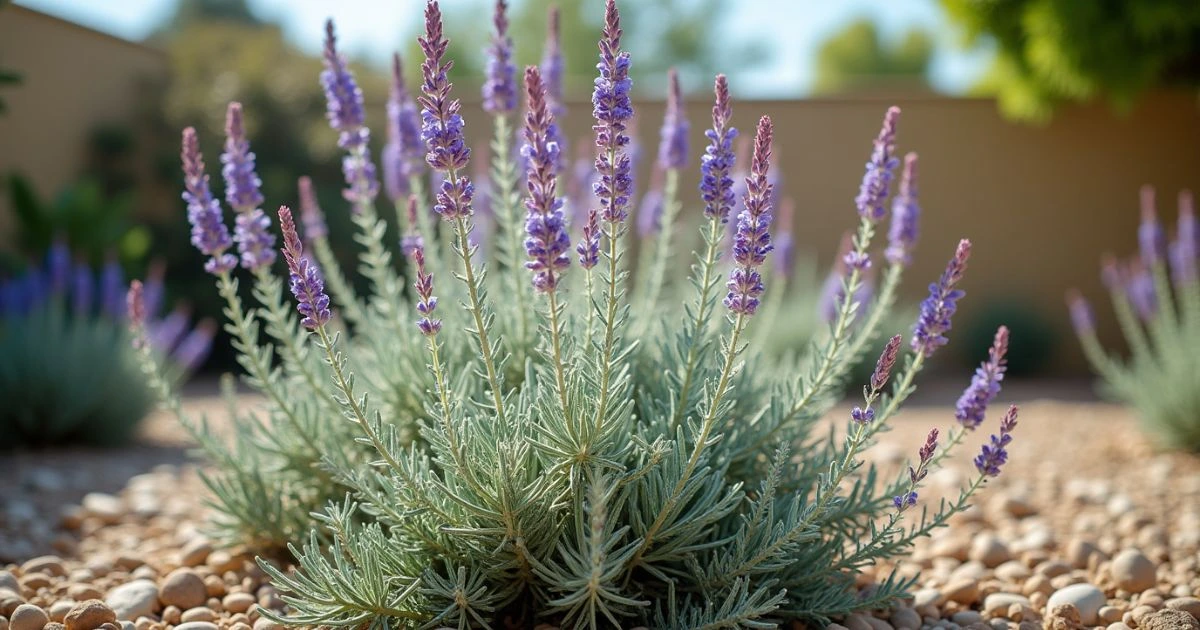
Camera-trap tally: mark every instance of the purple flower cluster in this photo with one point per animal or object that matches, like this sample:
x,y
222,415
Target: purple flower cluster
x,y
673,138
252,228
588,247
1151,240
833,292
552,76
994,454
343,98
500,88
401,157
1082,317
1184,251
613,110
546,242
716,165
306,283
916,475
310,211
985,385
753,239
441,123
209,233
906,215
426,300
874,189
1139,288
929,333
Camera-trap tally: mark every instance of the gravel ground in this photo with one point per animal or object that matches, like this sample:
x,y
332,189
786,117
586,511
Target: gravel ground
x,y
1088,527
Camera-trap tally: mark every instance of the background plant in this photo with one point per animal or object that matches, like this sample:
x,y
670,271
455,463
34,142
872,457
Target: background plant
x,y
1156,298
575,449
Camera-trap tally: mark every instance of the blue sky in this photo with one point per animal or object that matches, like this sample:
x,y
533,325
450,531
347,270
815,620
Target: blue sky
x,y
792,30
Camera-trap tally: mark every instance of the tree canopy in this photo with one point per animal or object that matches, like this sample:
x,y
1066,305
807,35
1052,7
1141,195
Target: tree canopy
x,y
857,58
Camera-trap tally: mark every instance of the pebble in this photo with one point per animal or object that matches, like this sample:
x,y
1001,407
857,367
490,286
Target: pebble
x,y
199,614
195,553
1062,617
50,565
28,617
197,625
266,624
59,609
1189,605
856,622
997,603
1118,626
134,599
903,618
1110,614
1169,619
966,617
1132,571
1086,598
237,602
963,591
183,589
1079,551
89,615
105,507
989,550
1013,571
9,581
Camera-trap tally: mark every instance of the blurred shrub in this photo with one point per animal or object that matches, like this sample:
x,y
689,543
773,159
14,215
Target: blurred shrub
x,y
1033,342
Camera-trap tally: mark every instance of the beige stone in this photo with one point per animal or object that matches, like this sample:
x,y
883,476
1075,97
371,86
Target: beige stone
x,y
89,615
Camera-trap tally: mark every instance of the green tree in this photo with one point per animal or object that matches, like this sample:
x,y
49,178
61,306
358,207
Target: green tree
x,y
1051,52
856,58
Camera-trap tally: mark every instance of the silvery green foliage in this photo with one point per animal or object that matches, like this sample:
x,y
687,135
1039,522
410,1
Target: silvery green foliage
x,y
1156,299
578,455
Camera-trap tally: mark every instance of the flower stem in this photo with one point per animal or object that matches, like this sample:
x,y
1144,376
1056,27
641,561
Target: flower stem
x,y
476,307
704,302
662,247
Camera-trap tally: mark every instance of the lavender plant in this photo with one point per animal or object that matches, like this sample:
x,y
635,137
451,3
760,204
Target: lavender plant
x,y
572,451
61,319
1156,298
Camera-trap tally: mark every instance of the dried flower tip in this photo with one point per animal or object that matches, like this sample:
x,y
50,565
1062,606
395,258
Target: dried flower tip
x,y
929,332
589,244
985,385
306,283
426,300
1151,240
883,367
874,189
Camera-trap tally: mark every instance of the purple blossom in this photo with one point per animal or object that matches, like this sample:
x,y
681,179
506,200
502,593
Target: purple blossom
x,y
994,455
929,332
859,261
753,239
985,385
209,233
426,300
785,243
833,292
242,185
883,366
874,189
1139,287
1082,317
1111,274
552,76
58,266
673,138
916,475
500,88
1187,241
1151,240
546,242
83,289
112,288
194,349
861,416
650,210
716,165
613,110
441,123
165,334
589,244
401,157
256,243
310,211
906,215
343,98
306,283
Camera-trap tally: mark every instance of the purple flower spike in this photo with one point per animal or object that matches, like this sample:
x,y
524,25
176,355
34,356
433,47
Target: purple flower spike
x,y
883,367
716,165
833,292
650,210
441,124
613,110
933,323
552,76
135,306
785,243
546,242
306,283
753,239
242,185
401,157
673,144
194,348
874,189
994,455
985,385
343,98
1139,287
500,88
589,244
310,211
1082,317
209,233
426,300
906,215
1151,240
1184,251
916,475
83,289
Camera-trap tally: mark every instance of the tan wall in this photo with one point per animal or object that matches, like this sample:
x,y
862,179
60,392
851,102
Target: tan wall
x,y
73,78
1040,203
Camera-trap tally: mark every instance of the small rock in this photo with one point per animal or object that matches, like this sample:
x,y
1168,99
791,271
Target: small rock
x,y
28,617
1062,617
989,550
962,591
1169,619
1118,626
1016,505
1189,605
876,623
997,604
1052,568
200,614
1110,614
1085,598
1139,614
1013,571
134,599
1018,612
89,615
1133,571
966,617
903,618
237,602
214,586
9,581
832,626
266,624
998,623
926,597
127,625
195,553
9,601
59,609
183,589
105,507
81,592
171,615
856,622
34,581
221,561
1079,551
50,565
197,625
